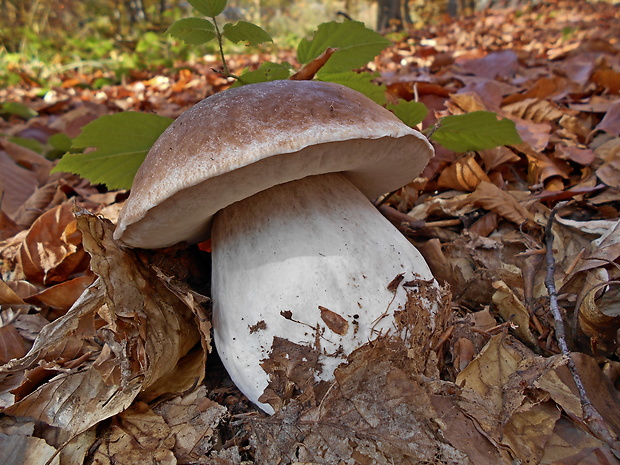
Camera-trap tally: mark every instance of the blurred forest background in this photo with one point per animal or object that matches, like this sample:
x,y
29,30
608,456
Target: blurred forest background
x,y
48,37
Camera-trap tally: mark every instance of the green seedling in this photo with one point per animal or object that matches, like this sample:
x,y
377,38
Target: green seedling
x,y
199,30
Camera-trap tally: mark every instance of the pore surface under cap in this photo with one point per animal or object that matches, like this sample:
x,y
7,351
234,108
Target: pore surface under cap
x,y
247,139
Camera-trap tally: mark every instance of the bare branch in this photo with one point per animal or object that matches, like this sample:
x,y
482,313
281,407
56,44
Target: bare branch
x,y
592,418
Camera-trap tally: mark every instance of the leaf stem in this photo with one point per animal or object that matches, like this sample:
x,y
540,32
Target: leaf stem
x,y
220,43
428,132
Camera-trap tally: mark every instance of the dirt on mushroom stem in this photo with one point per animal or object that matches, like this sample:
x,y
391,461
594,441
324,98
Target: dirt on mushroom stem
x,y
315,247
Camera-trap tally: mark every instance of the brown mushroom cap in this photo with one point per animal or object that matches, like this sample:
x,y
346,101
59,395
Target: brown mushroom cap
x,y
247,139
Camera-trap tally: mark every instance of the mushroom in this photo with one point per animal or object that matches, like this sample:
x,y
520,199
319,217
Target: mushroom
x,y
279,176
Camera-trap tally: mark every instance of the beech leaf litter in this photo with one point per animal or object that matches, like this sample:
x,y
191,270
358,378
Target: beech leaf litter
x,y
105,353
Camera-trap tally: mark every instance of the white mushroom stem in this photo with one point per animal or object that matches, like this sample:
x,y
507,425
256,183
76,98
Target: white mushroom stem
x,y
313,242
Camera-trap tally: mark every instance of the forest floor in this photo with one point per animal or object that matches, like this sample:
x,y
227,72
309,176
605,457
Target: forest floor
x,y
525,240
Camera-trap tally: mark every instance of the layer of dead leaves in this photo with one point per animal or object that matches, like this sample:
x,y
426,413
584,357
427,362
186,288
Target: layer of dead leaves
x,y
103,349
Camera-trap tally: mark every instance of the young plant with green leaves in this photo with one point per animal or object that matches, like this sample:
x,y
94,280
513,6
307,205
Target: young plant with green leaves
x,y
334,53
199,30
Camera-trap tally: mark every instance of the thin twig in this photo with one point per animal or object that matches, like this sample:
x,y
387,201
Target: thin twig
x,y
385,198
591,417
573,265
399,218
444,223
447,334
430,131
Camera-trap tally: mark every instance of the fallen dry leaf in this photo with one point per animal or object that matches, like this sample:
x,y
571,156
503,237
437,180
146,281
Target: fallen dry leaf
x,y
136,436
130,334
493,158
21,449
517,386
534,109
465,174
490,91
608,79
193,420
543,88
606,247
599,319
9,298
28,159
492,198
62,296
511,308
12,345
8,227
16,184
485,225
534,135
52,250
42,199
503,64
542,170
611,121
576,154
609,171
310,69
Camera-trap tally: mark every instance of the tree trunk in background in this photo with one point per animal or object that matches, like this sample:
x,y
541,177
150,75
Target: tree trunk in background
x,y
456,8
392,15
135,10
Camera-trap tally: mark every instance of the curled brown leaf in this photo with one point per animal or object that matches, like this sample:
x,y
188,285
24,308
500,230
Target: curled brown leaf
x,y
492,198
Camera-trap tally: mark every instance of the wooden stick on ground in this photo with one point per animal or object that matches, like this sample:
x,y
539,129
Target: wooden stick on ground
x,y
592,418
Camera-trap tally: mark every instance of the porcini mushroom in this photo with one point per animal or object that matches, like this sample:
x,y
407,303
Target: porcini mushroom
x,y
279,175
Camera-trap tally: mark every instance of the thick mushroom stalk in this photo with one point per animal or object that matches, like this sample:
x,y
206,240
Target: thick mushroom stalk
x,y
314,243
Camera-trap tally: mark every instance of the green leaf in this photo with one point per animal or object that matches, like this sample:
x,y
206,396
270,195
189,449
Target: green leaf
x,y
31,144
100,82
192,30
361,82
121,140
18,109
357,45
60,144
479,130
267,71
148,42
209,7
410,113
60,141
244,31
